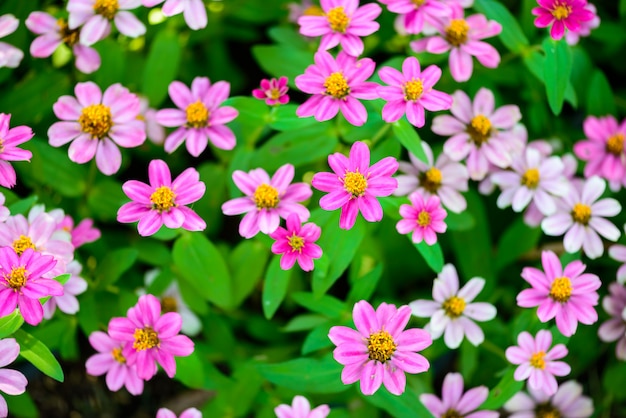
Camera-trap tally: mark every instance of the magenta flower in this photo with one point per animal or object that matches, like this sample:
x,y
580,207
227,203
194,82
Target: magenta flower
x,y
354,185
561,14
9,151
567,402
462,37
297,242
618,253
54,32
453,312
10,56
567,294
162,202
572,38
199,116
22,284
194,11
336,85
415,13
301,408
423,217
111,360
152,338
67,302
537,361
82,234
13,382
273,91
455,403
614,329
380,351
267,200
96,124
581,218
411,91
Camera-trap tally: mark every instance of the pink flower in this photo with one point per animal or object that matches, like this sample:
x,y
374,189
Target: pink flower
x,y
82,234
572,38
194,11
354,185
537,361
111,360
4,211
567,402
303,8
380,351
415,13
452,312
67,302
267,200
297,242
618,253
199,116
154,131
423,217
22,284
301,408
604,148
336,85
614,329
581,218
95,17
455,403
13,382
96,124
273,91
561,14
344,22
152,338
462,37
9,151
567,294
10,56
53,32
479,132
162,202
411,91
187,413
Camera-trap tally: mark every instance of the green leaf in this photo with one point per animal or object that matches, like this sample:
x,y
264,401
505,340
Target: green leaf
x,y
38,355
622,8
406,406
324,304
518,239
535,62
105,198
503,391
190,371
408,137
432,254
23,206
459,221
247,262
284,118
306,375
274,287
161,66
305,322
556,71
600,100
512,35
252,118
22,406
614,380
279,60
113,63
363,287
318,338
10,323
114,265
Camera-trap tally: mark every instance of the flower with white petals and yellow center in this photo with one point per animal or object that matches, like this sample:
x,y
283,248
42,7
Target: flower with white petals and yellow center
x,y
106,8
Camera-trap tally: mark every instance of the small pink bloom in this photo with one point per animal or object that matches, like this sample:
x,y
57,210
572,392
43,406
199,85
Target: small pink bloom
x,y
67,302
380,351
537,361
297,242
187,413
194,11
273,91
455,403
414,14
336,85
561,14
83,233
354,185
199,117
301,408
423,217
9,151
614,329
10,56
572,37
162,202
13,382
567,402
618,253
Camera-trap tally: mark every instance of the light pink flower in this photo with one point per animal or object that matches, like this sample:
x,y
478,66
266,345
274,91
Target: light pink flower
x,y
96,124
561,14
267,200
67,302
111,360
13,382
53,32
581,217
273,91
462,37
453,312
303,8
301,408
354,185
414,14
152,338
194,11
297,243
199,117
344,22
380,351
10,56
567,402
336,85
424,217
411,91
187,413
618,253
572,37
81,234
4,211
162,202
10,138
614,329
154,131
455,403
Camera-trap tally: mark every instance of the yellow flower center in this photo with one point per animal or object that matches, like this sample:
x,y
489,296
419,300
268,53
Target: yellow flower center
x,y
296,243
355,183
313,10
581,213
338,19
336,85
145,338
118,356
106,8
561,11
431,179
380,346
530,178
274,94
561,289
423,219
163,199
537,360
452,413
546,411
69,36
1,145
615,144
169,304
16,278
454,306
418,3
96,120
413,89
197,115
266,197
22,243
456,32
479,129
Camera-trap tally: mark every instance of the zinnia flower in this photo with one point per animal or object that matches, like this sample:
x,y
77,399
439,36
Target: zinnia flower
x,y
9,151
354,185
194,11
10,56
380,351
273,91
415,13
13,382
82,234
567,402
572,38
561,14
297,243
424,217
455,403
301,408
614,329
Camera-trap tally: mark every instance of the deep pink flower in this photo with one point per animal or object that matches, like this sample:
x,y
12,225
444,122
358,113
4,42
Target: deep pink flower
x,y
267,200
273,91
10,56
67,302
561,14
13,382
9,151
82,234
414,13
537,361
194,11
162,202
297,242
424,217
199,117
380,351
336,85
301,408
354,185
455,403
614,329
153,338
572,37
567,402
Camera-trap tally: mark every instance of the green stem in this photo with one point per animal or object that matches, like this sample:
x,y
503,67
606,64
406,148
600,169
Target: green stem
x,y
489,346
380,134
